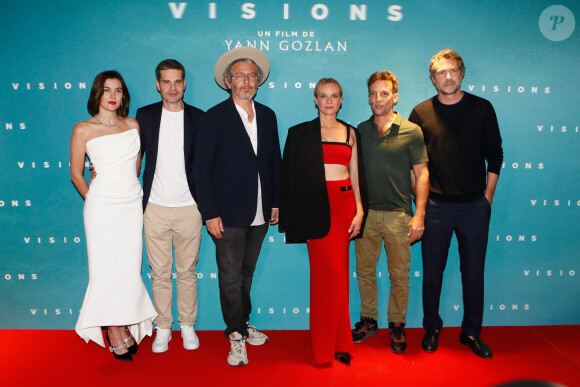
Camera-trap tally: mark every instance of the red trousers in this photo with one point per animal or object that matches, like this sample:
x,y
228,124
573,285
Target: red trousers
x,y
330,329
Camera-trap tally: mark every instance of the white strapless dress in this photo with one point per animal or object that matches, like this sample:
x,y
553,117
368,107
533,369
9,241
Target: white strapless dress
x,y
113,217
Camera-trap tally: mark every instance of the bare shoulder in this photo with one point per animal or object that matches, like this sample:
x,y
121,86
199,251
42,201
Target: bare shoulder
x,y
131,123
82,130
352,137
128,123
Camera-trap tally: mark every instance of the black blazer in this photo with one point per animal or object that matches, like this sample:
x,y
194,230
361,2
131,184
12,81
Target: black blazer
x,y
226,167
149,118
304,205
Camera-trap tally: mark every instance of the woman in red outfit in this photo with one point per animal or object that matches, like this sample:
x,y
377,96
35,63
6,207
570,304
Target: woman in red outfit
x,y
321,203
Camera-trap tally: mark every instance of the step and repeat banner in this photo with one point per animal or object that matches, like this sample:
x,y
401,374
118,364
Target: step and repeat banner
x,y
522,56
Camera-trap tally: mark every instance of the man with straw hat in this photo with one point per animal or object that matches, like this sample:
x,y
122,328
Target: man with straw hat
x,y
237,168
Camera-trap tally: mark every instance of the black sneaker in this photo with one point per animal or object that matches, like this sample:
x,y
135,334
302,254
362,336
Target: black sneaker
x,y
397,337
365,328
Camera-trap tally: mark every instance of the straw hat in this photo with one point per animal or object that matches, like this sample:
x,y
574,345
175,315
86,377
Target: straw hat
x,y
240,53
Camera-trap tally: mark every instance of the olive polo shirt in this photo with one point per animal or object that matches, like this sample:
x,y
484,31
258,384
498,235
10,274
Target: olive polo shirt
x,y
388,160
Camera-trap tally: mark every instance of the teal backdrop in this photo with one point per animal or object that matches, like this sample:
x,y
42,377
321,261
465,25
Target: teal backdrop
x,y
523,56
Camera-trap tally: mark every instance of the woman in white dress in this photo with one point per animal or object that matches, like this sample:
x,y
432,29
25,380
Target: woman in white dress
x,y
113,216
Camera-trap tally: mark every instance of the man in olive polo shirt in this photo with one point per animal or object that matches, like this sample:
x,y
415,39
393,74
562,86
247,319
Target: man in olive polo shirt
x,y
393,155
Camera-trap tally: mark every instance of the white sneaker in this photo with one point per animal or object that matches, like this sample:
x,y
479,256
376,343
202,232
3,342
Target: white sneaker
x,y
255,337
238,355
190,339
162,339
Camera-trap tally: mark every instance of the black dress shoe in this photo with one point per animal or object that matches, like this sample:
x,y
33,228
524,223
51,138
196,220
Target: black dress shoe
x,y
430,341
477,345
343,357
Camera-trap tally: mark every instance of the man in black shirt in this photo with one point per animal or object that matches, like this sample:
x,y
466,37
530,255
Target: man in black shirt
x,y
461,134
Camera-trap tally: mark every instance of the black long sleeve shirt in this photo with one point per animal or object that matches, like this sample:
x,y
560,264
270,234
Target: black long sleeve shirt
x,y
460,139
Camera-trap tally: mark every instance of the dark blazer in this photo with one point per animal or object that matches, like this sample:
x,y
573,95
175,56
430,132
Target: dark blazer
x,y
149,118
304,205
226,167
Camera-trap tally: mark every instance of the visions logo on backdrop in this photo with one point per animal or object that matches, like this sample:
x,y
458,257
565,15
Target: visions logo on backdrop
x,y
15,203
558,128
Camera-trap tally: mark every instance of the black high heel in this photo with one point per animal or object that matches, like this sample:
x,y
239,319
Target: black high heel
x,y
132,349
125,356
343,357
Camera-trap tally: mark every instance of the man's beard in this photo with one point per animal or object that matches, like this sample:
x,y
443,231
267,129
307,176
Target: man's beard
x,y
445,88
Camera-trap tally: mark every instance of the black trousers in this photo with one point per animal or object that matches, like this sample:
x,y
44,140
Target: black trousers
x,y
237,254
470,222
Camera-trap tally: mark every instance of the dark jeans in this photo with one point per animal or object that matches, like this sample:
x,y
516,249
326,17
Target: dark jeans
x,y
470,222
237,254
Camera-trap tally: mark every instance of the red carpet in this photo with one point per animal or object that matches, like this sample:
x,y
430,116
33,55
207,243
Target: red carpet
x,y
44,357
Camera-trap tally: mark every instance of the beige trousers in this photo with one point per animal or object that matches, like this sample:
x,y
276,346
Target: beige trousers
x,y
392,228
165,228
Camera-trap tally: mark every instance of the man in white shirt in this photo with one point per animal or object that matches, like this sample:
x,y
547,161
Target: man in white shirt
x,y
236,169
171,218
